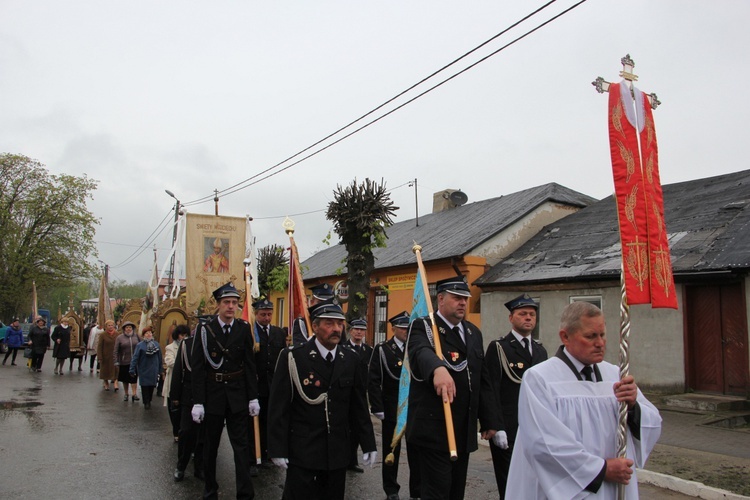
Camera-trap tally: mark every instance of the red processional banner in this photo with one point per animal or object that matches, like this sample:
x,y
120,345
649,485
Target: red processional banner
x,y
647,265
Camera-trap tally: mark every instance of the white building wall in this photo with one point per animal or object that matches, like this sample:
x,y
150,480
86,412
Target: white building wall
x,y
657,358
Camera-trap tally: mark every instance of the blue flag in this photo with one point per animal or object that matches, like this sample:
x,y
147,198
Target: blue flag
x,y
418,309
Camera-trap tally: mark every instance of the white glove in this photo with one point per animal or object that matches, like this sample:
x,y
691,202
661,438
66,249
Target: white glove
x,y
281,462
370,458
500,439
198,413
380,415
254,408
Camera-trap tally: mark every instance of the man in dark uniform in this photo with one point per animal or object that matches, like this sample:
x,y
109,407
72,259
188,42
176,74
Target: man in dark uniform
x,y
385,373
314,403
461,379
269,342
320,293
225,389
356,342
507,360
181,396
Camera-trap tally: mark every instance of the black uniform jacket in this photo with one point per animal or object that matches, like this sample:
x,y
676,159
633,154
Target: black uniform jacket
x,y
180,388
474,399
302,432
505,390
215,394
385,370
364,353
271,345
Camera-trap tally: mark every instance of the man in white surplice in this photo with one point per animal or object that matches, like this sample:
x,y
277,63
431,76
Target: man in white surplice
x,y
567,415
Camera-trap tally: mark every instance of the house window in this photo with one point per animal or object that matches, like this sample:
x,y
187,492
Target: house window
x,y
381,317
591,299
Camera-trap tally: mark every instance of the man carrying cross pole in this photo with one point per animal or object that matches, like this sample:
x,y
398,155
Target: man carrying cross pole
x,y
459,378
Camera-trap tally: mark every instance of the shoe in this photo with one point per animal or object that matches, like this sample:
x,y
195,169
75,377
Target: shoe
x,y
61,373
117,389
179,475
12,364
253,471
39,370
393,496
80,369
126,398
355,468
147,406
91,370
136,398
55,371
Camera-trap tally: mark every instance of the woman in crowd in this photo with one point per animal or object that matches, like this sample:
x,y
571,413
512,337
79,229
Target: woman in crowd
x,y
39,341
61,346
170,354
105,349
13,340
125,345
146,364
91,346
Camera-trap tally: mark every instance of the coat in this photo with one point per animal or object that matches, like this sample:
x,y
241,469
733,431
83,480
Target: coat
x,y
474,399
124,349
170,355
61,350
13,337
383,381
504,389
105,348
216,395
146,366
39,338
180,386
317,436
270,346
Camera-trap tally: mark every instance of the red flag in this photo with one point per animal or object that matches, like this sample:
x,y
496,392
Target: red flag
x,y
647,267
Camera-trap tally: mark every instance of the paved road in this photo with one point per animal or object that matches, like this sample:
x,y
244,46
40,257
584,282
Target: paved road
x,y
64,436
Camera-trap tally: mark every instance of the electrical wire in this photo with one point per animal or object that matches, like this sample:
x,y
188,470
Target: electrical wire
x,y
231,189
147,243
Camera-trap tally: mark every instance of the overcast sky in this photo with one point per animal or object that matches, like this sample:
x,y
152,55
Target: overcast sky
x,y
195,96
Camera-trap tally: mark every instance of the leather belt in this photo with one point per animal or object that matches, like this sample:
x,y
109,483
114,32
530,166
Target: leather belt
x,y
226,377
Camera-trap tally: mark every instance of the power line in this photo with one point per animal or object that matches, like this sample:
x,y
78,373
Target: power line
x,y
231,189
149,240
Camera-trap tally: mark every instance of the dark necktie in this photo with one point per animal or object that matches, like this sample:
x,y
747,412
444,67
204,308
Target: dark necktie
x,y
227,327
586,372
329,358
526,344
265,331
457,331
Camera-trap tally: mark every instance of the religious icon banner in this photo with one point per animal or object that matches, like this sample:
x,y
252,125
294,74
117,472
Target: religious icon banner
x,y
214,255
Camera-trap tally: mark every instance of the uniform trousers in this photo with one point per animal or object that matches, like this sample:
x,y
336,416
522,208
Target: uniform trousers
x,y
191,441
390,472
501,463
237,430
440,478
309,484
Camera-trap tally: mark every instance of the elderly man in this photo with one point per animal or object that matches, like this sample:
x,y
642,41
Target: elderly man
x,y
225,389
385,372
314,402
568,410
461,379
507,360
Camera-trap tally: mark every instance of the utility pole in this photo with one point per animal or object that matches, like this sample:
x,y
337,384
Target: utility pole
x,y
416,201
174,238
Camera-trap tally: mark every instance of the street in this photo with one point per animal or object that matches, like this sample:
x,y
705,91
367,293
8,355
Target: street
x,y
65,436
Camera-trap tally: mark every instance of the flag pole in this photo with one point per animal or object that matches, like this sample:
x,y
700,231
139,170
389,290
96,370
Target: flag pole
x,y
439,351
295,278
256,348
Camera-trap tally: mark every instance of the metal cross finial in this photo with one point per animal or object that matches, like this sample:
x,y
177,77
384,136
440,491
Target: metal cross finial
x,y
601,85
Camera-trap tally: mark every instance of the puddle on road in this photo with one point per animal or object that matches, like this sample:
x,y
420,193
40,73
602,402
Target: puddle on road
x,y
18,405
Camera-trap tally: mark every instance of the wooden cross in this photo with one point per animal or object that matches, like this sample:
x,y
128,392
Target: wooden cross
x,y
627,74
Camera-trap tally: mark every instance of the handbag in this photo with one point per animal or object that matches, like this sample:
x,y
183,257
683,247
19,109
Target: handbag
x,y
27,352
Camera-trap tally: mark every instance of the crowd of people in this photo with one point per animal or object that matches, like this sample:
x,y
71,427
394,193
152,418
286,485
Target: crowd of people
x,y
303,402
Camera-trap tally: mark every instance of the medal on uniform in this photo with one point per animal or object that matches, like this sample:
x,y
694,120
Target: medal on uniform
x,y
306,381
454,356
317,383
520,365
213,354
400,363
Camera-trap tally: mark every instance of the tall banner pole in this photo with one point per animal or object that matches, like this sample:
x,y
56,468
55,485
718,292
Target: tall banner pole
x,y
439,351
251,320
